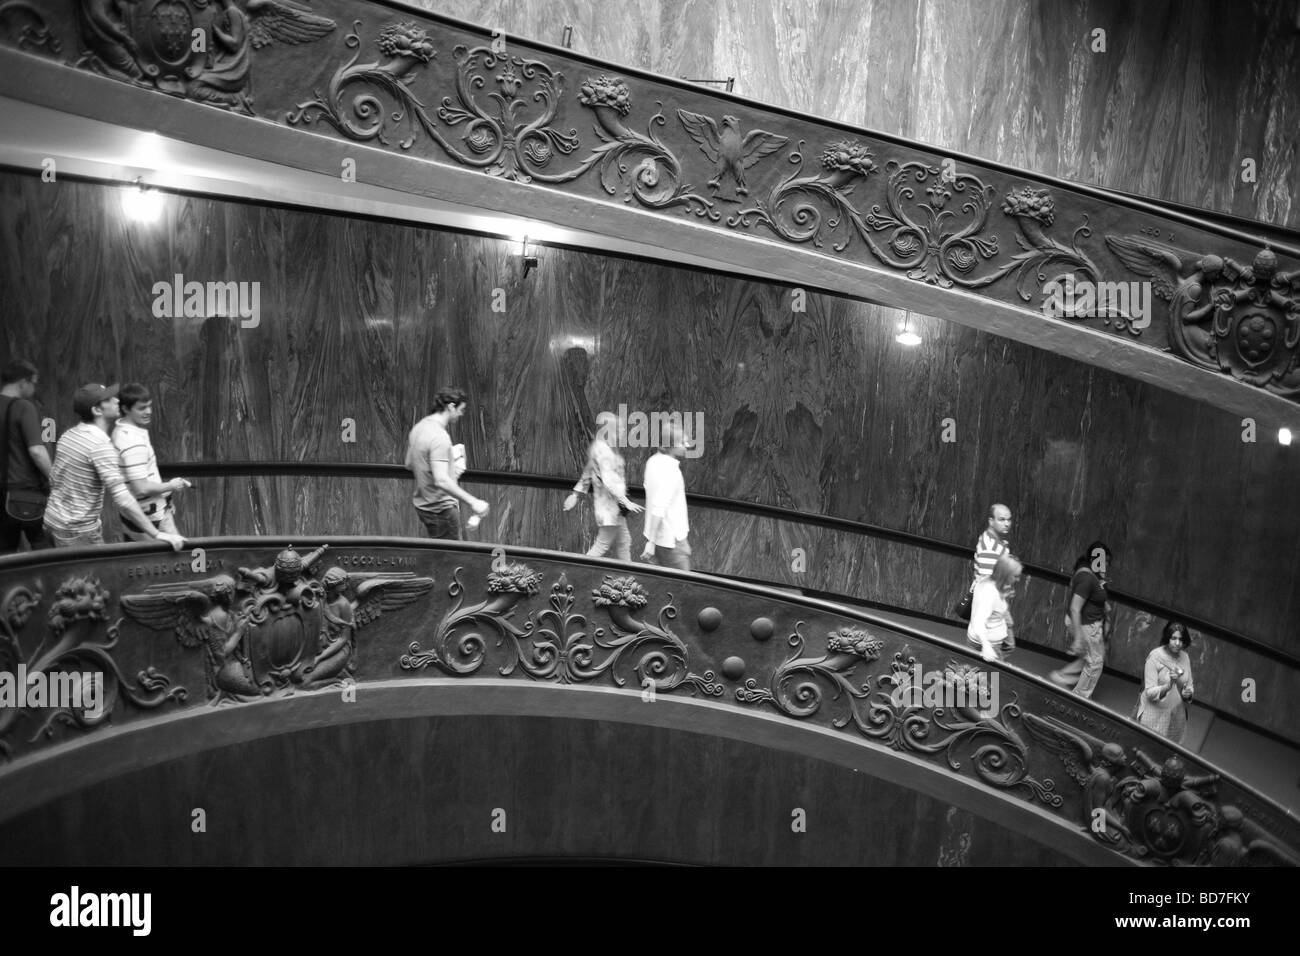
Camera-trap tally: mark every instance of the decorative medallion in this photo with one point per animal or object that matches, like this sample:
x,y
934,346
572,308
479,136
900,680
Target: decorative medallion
x,y
1153,810
1224,315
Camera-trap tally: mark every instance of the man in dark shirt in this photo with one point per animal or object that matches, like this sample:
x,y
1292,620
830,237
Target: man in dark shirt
x,y
1085,621
28,466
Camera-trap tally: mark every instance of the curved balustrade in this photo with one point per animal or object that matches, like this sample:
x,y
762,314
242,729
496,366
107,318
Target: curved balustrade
x,y
928,590
244,640
446,111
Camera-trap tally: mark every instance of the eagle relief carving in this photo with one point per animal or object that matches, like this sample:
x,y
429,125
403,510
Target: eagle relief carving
x,y
729,151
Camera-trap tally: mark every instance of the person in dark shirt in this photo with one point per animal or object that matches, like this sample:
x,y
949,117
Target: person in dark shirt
x,y
27,465
1085,620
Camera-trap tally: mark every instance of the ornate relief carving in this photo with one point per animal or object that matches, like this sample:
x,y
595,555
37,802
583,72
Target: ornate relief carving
x,y
555,643
153,43
1223,315
459,653
72,647
1154,810
376,593
842,164
277,627
730,153
998,756
26,28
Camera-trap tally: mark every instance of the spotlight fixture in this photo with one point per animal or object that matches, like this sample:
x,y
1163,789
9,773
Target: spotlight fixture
x,y
141,203
1284,436
906,336
530,261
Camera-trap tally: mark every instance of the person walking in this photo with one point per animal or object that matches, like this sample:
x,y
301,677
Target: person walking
x,y
992,544
991,622
666,524
1086,621
603,478
85,466
1167,684
24,460
430,457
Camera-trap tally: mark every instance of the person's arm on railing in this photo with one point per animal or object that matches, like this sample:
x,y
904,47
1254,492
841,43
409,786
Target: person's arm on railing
x,y
110,473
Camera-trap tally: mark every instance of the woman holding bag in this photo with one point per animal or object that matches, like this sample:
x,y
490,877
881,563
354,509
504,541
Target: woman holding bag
x,y
1167,684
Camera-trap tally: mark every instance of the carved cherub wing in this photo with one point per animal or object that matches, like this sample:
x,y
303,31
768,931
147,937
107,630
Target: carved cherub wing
x,y
178,607
1164,265
1076,749
377,593
285,21
760,143
704,131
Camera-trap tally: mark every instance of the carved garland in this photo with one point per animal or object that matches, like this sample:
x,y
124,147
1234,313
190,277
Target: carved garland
x,y
70,654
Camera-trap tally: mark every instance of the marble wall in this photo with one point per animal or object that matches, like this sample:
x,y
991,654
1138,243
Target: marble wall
x,y
1183,93
818,411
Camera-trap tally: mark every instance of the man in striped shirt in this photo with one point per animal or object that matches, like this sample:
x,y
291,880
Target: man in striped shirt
x,y
85,464
992,543
991,546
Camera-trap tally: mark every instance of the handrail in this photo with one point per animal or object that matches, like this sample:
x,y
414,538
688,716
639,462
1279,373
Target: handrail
x,y
1140,203
526,479
1085,710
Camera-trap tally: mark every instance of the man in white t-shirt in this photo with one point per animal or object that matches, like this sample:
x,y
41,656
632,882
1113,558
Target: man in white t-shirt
x,y
140,465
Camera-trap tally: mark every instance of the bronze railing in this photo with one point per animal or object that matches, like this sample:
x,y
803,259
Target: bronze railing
x,y
238,622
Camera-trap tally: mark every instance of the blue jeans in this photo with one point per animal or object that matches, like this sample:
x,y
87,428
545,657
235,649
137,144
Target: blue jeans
x,y
442,524
1094,657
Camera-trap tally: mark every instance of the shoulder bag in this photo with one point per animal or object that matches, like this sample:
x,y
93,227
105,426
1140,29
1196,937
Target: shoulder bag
x,y
24,505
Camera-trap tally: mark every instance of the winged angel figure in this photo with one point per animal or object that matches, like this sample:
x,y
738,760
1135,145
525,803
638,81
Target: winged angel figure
x,y
731,153
1098,768
206,614
1207,295
375,594
224,81
202,614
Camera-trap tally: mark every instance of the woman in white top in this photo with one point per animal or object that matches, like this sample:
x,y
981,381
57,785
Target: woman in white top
x,y
990,618
1167,684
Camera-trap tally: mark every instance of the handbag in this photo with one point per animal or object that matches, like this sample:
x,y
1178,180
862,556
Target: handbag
x,y
962,610
26,506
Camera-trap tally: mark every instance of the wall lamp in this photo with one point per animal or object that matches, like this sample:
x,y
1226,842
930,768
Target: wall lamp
x,y
530,259
905,334
141,203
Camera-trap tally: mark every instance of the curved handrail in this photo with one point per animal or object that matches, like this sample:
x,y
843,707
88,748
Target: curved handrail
x,y
1016,748
1138,203
526,479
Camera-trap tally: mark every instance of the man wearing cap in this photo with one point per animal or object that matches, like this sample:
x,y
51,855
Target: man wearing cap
x,y
85,464
140,464
666,527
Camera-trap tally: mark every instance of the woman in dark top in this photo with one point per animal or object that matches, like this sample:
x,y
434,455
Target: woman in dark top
x,y
1085,621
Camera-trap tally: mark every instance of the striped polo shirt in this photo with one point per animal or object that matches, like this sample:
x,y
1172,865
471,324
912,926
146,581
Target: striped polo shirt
x,y
987,552
85,463
139,463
